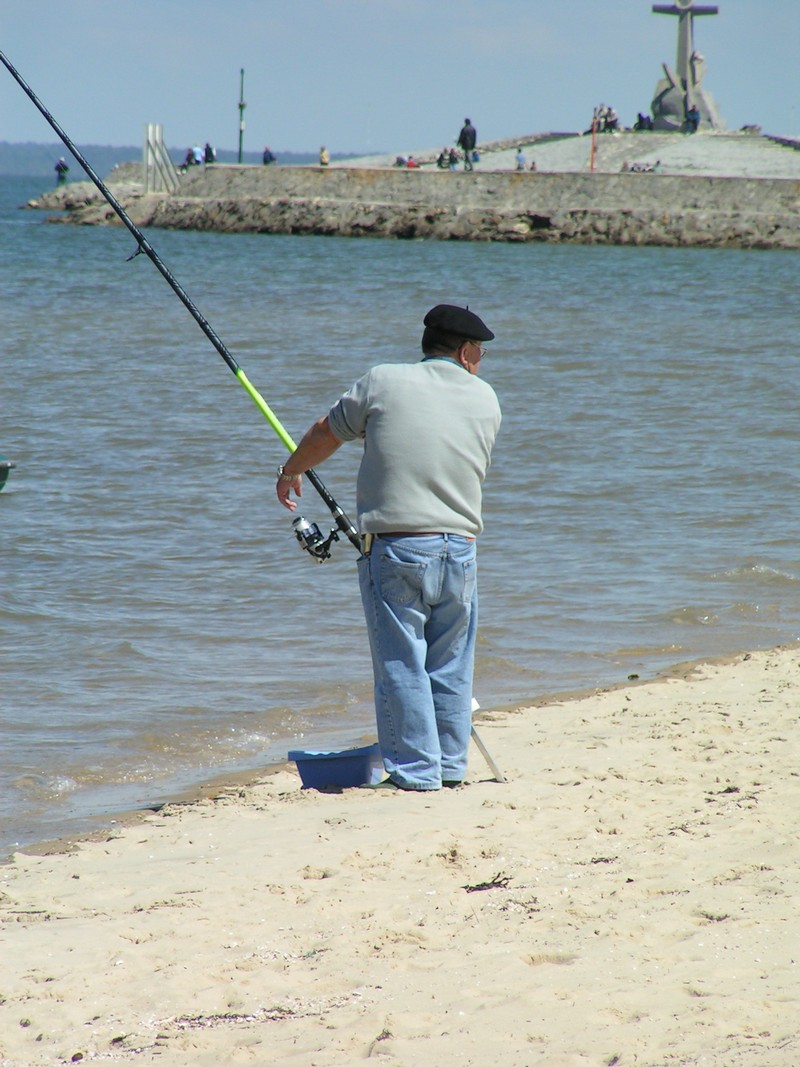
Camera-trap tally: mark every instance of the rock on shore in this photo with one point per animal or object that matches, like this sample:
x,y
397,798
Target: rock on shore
x,y
643,208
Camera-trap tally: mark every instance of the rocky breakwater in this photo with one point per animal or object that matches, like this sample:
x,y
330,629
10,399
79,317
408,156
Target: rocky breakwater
x,y
622,208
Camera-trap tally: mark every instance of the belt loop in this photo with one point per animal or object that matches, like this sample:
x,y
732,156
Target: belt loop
x,y
366,543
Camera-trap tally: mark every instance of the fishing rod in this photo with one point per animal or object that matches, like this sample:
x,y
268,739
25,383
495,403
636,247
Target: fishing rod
x,y
308,534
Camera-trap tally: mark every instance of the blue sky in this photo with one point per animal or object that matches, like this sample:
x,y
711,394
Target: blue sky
x,y
375,75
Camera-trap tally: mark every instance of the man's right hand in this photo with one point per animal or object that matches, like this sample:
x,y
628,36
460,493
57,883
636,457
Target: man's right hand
x,y
285,485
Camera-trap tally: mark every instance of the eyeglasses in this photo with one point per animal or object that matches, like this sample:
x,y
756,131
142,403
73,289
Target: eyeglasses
x,y
481,350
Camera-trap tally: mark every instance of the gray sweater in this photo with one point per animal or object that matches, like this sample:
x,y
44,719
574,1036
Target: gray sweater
x,y
428,431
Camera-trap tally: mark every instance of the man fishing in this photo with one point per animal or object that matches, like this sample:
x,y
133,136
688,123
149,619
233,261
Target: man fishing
x,y
429,443
428,430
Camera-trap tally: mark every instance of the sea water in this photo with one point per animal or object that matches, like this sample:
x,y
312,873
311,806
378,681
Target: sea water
x,y
159,624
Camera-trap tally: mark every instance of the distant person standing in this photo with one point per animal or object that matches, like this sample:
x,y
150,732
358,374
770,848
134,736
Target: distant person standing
x,y
61,170
209,154
268,156
520,159
324,156
466,141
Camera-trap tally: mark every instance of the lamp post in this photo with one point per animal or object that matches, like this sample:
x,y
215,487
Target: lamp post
x,y
242,106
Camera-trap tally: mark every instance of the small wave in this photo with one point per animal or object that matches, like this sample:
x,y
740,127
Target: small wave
x,y
498,666
721,614
746,610
117,649
45,787
645,651
759,572
693,616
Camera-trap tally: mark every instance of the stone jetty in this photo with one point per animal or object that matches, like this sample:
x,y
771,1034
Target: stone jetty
x,y
714,190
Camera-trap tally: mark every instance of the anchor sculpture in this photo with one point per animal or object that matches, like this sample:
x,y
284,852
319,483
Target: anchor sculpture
x,y
681,91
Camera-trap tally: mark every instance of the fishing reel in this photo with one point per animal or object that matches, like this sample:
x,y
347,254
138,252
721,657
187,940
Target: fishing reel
x,y
312,540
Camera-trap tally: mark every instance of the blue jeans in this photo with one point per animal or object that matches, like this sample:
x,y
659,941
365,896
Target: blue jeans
x,y
420,600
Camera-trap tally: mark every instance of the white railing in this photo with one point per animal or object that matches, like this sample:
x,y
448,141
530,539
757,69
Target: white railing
x,y
160,175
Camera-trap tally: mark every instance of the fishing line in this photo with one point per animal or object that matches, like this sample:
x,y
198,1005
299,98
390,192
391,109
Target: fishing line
x,y
343,523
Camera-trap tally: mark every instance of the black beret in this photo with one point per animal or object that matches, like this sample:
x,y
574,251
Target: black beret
x,y
460,321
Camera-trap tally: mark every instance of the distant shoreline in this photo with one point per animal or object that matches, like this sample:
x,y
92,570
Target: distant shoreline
x,y
33,160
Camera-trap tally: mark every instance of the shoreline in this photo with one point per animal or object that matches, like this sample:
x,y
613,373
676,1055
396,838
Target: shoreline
x,y
233,781
626,897
104,824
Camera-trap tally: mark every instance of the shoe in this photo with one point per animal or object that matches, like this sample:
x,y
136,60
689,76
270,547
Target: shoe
x,y
387,783
451,785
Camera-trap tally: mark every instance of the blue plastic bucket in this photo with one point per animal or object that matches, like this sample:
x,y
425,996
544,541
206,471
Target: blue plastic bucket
x,y
328,770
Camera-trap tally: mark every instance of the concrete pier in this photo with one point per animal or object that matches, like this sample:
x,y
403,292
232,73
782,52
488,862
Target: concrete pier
x,y
647,208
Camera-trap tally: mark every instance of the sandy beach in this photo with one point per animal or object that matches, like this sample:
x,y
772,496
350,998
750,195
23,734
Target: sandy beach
x,y
628,897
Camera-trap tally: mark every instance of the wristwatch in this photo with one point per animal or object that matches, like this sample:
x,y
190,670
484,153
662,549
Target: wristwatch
x,y
284,477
